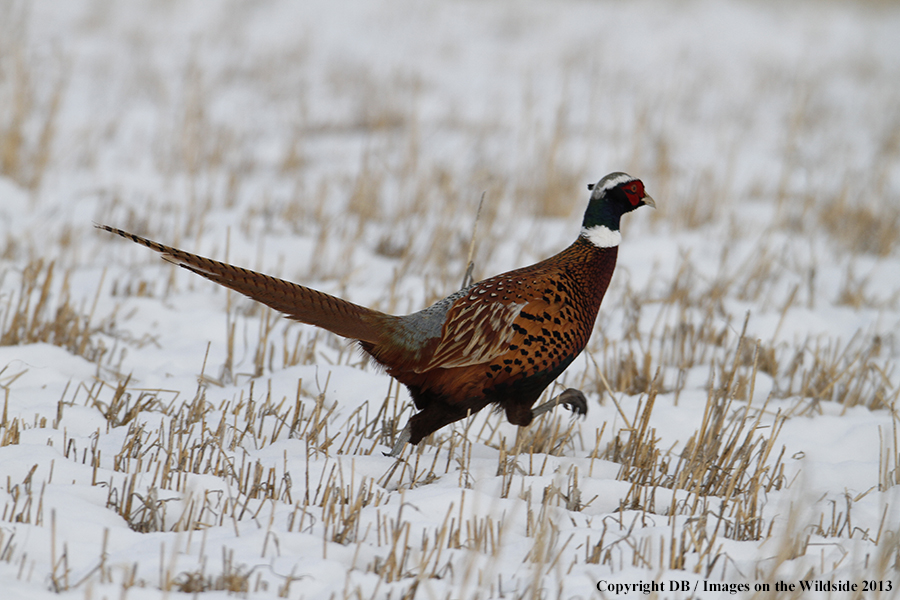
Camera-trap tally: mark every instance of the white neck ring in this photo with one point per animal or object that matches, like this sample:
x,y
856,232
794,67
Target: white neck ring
x,y
602,236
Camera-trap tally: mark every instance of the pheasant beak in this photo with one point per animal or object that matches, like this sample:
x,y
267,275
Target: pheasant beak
x,y
647,200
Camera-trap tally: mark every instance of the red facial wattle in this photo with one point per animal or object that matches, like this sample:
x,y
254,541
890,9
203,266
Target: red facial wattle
x,y
634,191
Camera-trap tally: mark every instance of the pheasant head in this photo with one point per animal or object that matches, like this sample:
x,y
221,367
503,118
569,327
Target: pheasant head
x,y
612,197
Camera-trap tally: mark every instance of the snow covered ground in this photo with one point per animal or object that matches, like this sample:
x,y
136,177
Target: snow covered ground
x,y
162,437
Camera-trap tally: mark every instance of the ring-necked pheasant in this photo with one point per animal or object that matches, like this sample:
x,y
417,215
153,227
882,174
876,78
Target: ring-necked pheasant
x,y
502,340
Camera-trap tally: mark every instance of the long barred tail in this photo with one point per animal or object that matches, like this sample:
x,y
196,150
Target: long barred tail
x,y
295,301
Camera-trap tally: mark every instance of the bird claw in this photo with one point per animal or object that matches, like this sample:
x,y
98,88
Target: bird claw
x,y
574,400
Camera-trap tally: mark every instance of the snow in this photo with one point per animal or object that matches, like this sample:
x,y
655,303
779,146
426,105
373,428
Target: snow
x,y
346,146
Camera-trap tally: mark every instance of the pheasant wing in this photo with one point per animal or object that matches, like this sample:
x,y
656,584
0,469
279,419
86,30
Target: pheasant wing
x,y
474,333
491,316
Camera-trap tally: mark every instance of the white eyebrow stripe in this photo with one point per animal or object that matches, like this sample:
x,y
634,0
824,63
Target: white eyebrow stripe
x,y
609,183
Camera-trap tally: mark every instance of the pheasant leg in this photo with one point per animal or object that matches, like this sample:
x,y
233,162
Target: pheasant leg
x,y
402,440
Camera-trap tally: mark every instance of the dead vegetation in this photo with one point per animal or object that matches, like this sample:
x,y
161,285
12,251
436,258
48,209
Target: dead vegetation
x,y
193,462
863,227
31,91
719,480
42,310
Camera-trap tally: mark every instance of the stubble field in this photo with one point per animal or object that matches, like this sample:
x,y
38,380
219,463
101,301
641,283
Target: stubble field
x,y
162,437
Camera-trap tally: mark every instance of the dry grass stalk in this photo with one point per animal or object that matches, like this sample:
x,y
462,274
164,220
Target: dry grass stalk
x,y
550,189
862,227
29,316
724,459
849,374
889,454
29,111
717,480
